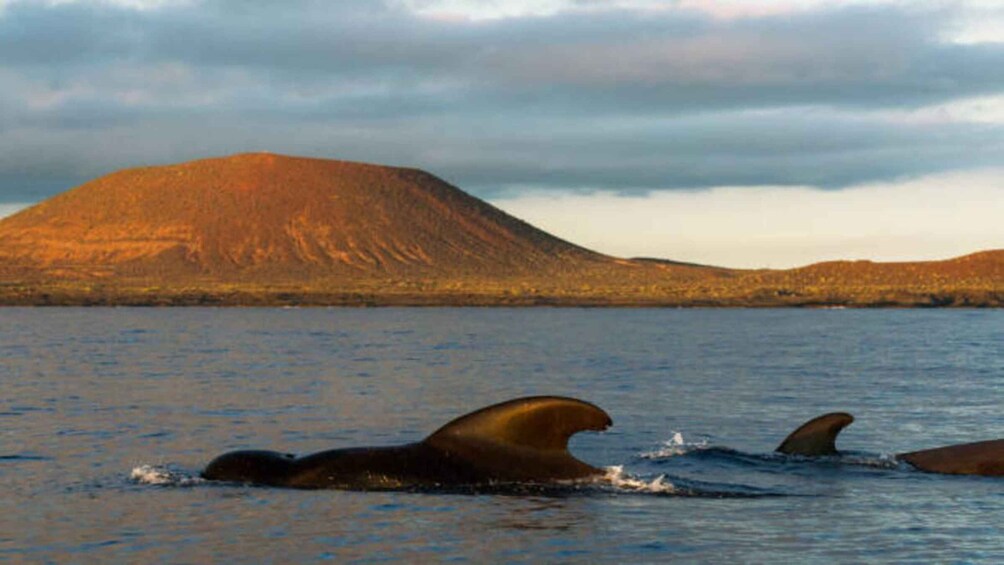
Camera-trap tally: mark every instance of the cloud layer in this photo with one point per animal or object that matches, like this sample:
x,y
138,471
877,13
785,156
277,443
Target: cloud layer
x,y
627,96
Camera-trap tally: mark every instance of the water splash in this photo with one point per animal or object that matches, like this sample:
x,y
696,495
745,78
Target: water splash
x,y
620,479
678,446
675,446
161,475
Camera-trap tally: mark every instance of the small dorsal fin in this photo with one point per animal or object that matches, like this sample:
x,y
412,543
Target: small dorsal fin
x,y
537,422
818,436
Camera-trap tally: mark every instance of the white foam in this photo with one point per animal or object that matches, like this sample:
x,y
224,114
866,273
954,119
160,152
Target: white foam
x,y
619,479
675,446
882,461
162,476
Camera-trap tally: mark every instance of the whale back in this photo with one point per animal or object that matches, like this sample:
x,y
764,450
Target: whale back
x,y
522,439
816,437
251,466
979,458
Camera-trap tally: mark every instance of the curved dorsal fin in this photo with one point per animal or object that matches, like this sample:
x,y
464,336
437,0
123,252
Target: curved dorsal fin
x,y
818,436
536,422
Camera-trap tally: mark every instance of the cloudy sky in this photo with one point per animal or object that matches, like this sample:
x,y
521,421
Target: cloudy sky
x,y
747,134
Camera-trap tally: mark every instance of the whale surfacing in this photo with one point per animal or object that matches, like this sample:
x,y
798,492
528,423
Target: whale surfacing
x,y
818,437
521,440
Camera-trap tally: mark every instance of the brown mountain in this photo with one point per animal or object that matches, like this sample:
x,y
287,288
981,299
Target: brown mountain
x,y
264,220
269,229
269,215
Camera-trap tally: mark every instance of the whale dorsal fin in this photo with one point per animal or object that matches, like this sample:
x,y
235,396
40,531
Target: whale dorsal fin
x,y
818,436
535,422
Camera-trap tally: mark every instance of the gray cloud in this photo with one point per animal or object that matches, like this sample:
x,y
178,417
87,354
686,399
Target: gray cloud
x,y
599,99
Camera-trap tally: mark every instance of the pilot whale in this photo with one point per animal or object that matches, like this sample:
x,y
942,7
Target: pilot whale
x,y
519,441
818,437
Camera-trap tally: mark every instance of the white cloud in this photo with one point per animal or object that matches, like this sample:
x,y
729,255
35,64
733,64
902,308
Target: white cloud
x,y
971,110
141,5
484,9
729,9
980,21
933,217
974,21
723,9
990,31
135,4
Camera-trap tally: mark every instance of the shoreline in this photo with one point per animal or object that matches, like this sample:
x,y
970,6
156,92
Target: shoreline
x,y
758,298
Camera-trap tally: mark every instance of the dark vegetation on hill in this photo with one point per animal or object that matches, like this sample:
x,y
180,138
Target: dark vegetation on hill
x,y
269,229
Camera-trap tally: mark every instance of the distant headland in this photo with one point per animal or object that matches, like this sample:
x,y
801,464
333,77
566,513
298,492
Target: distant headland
x,y
266,229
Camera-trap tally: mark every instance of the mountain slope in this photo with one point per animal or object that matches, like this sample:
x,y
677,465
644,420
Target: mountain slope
x,y
262,216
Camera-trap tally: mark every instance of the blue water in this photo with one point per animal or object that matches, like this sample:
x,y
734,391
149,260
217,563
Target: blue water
x,y
107,416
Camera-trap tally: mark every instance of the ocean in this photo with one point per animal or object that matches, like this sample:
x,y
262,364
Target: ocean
x,y
107,415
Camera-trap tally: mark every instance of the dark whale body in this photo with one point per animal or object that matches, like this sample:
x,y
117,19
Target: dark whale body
x,y
978,458
818,437
522,440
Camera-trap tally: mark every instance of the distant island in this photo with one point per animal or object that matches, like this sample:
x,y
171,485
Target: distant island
x,y
266,229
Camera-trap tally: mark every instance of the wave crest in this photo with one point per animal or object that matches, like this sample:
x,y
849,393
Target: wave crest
x,y
675,446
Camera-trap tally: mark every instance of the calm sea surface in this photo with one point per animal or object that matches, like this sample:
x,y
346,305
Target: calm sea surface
x,y
107,416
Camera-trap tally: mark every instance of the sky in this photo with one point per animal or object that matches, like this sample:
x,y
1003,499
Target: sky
x,y
736,133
